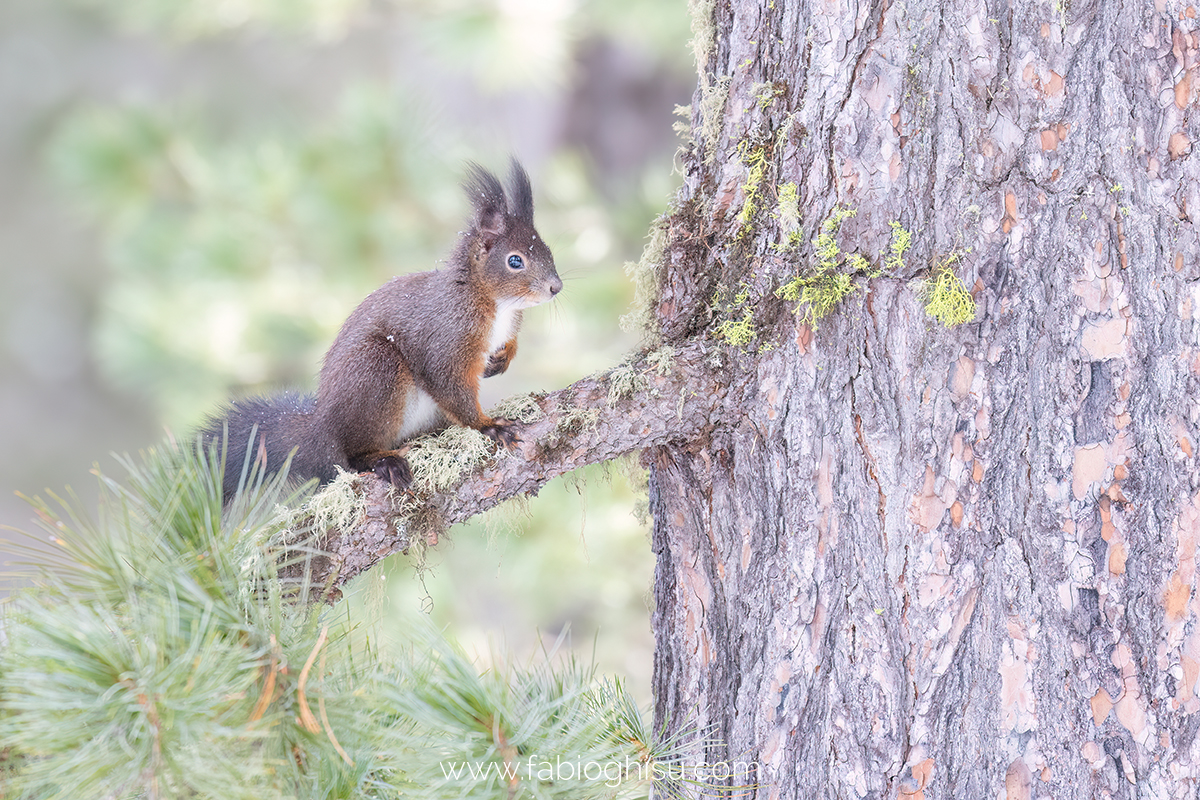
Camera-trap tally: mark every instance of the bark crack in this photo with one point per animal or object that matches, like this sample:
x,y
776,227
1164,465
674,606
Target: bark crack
x,y
869,461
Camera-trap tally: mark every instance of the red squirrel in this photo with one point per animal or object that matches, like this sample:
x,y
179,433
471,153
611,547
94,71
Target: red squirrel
x,y
409,359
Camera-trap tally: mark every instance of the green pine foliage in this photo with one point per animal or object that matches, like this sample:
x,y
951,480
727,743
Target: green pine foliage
x,y
162,654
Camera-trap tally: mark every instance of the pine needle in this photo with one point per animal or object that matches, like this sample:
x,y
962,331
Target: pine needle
x,y
154,662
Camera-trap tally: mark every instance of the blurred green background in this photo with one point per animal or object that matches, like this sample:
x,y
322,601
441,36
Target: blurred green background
x,y
195,193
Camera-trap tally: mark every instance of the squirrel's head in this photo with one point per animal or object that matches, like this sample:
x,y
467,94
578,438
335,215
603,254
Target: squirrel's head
x,y
503,250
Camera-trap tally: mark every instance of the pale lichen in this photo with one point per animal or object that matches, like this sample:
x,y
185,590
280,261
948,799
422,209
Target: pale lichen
x,y
510,518
623,381
704,33
787,211
683,125
572,420
645,276
638,477
438,461
712,107
661,359
339,504
576,420
520,407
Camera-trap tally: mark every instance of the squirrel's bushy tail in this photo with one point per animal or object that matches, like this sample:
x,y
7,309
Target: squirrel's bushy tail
x,y
259,433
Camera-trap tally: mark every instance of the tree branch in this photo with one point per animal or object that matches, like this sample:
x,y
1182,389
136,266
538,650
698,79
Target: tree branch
x,y
659,396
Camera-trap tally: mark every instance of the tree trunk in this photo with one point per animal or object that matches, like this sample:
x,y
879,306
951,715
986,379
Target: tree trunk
x,y
915,561
895,558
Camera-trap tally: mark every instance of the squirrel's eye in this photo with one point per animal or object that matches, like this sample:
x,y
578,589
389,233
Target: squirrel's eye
x,y
516,262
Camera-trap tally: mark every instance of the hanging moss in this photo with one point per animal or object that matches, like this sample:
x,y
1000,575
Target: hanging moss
x,y
712,106
644,273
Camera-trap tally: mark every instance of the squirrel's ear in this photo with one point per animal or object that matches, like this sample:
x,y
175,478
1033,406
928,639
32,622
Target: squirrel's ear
x,y
487,198
520,192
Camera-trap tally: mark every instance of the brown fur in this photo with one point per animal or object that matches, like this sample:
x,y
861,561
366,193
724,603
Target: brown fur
x,y
425,334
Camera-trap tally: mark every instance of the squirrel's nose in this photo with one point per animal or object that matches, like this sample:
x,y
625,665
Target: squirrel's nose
x,y
555,285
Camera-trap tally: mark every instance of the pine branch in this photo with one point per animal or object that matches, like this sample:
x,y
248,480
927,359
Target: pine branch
x,y
164,658
656,397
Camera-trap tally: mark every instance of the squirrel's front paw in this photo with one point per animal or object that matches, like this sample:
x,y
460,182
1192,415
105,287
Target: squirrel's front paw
x,y
495,365
502,431
394,470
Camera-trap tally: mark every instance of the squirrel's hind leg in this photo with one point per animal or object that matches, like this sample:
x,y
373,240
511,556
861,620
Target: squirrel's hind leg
x,y
394,470
502,431
390,465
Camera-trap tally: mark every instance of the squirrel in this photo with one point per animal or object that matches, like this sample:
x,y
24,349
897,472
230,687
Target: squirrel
x,y
410,357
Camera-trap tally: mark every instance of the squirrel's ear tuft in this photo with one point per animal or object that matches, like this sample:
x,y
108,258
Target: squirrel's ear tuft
x,y
520,192
487,198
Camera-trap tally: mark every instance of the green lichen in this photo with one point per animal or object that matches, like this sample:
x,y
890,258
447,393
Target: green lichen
x,y
819,292
737,328
857,263
737,332
946,297
893,262
766,93
826,246
1061,7
785,131
755,160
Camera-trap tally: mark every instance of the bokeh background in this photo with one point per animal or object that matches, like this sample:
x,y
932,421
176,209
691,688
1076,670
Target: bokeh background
x,y
195,193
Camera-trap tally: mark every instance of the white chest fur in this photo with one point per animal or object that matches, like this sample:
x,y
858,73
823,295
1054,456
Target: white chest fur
x,y
504,325
421,414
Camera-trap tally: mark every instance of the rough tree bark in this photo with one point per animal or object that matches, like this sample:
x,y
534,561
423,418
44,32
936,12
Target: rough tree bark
x,y
895,559
929,562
